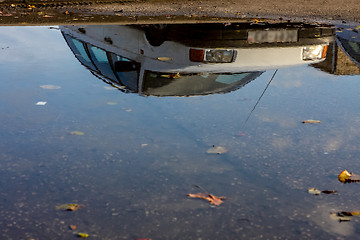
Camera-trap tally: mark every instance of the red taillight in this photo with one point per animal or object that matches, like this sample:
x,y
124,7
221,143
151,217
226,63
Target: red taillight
x,y
324,52
197,55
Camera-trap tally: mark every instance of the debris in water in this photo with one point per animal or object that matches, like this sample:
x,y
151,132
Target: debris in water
x,y
346,177
209,197
77,133
83,235
311,121
216,150
344,216
69,207
315,191
72,227
41,103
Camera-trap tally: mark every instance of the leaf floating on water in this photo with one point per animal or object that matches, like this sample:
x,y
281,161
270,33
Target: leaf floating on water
x,y
72,227
69,207
78,133
83,235
315,191
344,216
50,87
346,177
340,217
328,192
311,121
171,76
209,197
216,150
164,59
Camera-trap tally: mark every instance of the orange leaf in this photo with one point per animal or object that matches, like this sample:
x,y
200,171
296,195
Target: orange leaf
x,y
72,227
209,197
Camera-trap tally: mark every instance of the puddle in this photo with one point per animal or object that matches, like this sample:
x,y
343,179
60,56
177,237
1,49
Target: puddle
x,y
125,120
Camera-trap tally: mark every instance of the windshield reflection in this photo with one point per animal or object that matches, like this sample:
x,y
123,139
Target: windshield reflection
x,y
194,59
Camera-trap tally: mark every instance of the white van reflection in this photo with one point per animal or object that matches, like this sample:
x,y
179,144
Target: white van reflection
x,y
190,65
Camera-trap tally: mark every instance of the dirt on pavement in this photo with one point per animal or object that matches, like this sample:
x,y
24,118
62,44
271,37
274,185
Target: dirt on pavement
x,y
45,12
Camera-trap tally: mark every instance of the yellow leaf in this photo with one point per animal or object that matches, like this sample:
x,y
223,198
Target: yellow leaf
x,y
83,235
344,176
164,59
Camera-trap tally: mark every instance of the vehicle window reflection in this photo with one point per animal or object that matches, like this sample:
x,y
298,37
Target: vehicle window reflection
x,y
177,84
79,51
100,59
127,71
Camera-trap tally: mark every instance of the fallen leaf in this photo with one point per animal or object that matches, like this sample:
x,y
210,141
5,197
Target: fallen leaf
x,y
216,150
340,217
83,235
50,87
314,191
328,192
164,59
77,133
318,192
171,76
344,216
346,177
311,121
72,227
69,207
209,197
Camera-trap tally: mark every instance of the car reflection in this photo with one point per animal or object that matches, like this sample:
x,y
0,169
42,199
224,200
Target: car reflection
x,y
193,59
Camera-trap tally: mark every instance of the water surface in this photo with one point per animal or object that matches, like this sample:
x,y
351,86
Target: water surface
x,y
139,155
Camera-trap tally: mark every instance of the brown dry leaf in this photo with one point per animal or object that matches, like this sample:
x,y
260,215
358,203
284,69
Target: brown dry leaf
x,y
329,192
209,197
346,177
72,227
311,121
